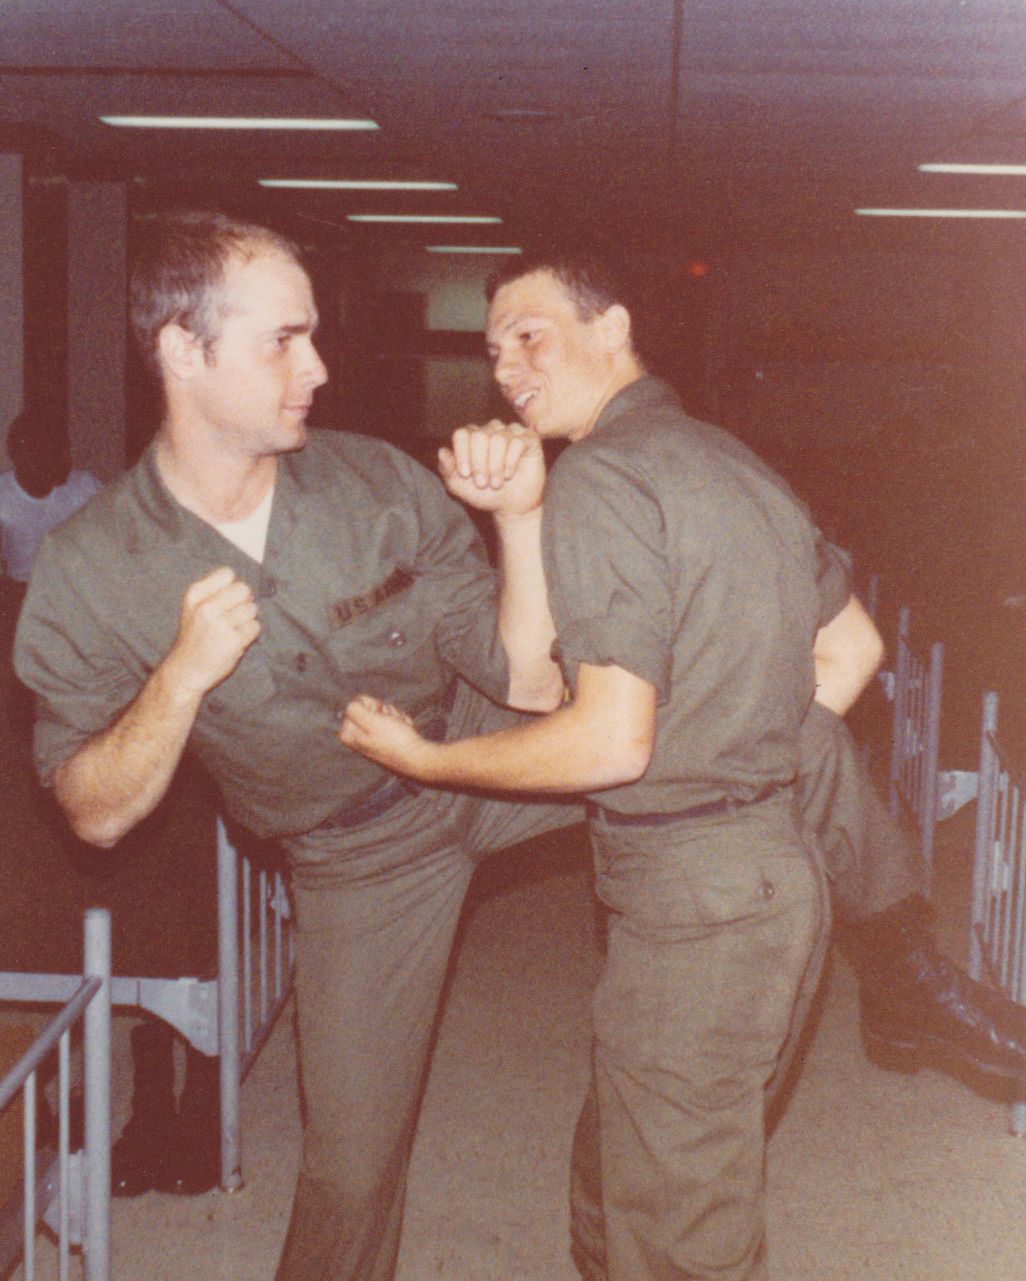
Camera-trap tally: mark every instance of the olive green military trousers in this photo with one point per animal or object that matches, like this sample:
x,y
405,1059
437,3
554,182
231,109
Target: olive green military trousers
x,y
870,862
870,865
714,927
377,909
376,914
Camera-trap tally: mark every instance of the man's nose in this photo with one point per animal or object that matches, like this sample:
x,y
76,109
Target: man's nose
x,y
315,370
504,370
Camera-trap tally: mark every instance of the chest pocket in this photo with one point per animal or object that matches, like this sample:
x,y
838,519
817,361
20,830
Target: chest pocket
x,y
390,635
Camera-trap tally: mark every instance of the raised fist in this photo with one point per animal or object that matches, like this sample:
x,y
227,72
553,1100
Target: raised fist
x,y
218,624
499,467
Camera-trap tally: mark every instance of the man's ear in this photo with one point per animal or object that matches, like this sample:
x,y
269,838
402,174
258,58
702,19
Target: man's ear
x,y
615,328
180,351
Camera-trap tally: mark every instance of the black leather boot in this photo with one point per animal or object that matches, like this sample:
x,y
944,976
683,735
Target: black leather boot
x,y
193,1161
913,997
137,1158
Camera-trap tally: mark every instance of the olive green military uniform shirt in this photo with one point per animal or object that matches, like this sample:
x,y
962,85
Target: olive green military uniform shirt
x,y
373,580
673,552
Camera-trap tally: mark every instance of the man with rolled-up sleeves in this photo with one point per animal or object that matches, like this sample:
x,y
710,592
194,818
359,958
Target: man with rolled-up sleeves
x,y
233,591
685,589
697,614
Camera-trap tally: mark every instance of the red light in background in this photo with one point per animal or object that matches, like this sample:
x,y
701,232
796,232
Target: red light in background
x,y
696,269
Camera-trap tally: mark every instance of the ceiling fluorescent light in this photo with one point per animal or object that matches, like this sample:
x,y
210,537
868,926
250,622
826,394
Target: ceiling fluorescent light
x,y
234,122
420,218
472,249
354,184
942,213
1015,171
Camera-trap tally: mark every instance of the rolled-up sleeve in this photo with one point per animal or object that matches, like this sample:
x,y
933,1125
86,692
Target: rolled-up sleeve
x,y
603,540
833,579
68,657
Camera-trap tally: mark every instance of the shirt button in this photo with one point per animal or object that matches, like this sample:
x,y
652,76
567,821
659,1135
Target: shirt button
x,y
396,638
339,714
301,662
268,587
768,890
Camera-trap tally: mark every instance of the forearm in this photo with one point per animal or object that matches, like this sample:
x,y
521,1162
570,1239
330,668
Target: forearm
x,y
847,654
555,753
838,688
604,738
525,623
120,775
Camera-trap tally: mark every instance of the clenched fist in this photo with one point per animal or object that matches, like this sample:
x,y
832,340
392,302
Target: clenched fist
x,y
499,467
382,733
218,624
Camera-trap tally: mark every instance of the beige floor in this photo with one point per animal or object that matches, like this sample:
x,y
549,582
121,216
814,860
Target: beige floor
x,y
872,1174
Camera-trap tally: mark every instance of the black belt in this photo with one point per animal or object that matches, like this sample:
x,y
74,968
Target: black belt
x,y
380,801
708,809
393,789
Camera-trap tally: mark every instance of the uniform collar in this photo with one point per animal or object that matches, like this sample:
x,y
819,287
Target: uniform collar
x,y
165,520
647,392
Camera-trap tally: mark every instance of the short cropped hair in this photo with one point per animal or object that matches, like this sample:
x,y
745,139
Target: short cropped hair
x,y
592,283
179,269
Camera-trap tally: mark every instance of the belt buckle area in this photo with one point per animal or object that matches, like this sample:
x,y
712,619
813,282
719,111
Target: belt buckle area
x,y
379,802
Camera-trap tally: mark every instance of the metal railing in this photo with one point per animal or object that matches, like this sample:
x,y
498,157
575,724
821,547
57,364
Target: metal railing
x,y
917,784
251,992
229,1014
997,941
915,737
68,1191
